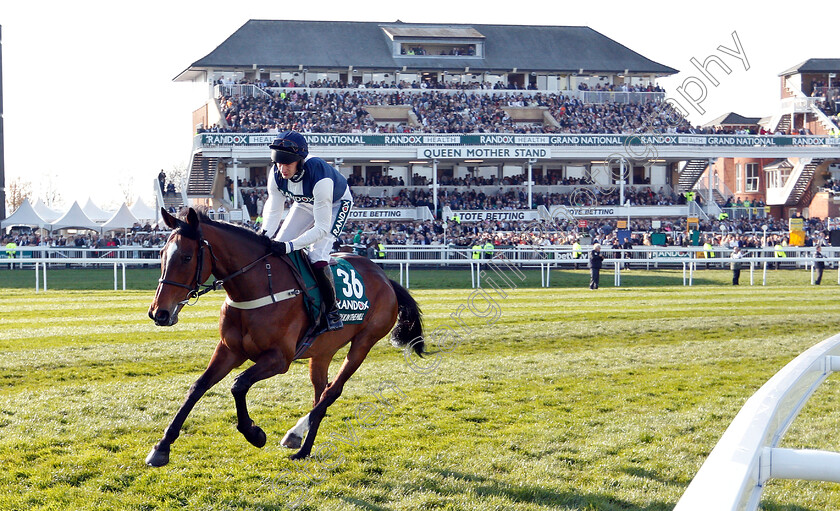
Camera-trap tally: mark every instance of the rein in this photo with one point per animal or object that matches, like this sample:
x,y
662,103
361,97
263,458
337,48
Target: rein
x,y
196,291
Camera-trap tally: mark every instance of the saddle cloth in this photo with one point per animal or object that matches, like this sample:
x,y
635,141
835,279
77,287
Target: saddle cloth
x,y
350,293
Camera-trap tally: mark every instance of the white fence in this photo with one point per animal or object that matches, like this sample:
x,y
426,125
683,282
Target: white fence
x,y
545,258
747,455
404,257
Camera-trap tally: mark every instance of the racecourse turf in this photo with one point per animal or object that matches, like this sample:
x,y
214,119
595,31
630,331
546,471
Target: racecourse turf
x,y
559,398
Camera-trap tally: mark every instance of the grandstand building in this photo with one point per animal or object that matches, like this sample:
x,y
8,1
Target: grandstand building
x,y
558,118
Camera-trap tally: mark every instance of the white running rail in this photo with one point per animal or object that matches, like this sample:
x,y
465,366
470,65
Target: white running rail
x,y
747,455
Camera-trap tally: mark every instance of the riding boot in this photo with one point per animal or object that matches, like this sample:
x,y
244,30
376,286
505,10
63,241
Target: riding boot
x,y
326,284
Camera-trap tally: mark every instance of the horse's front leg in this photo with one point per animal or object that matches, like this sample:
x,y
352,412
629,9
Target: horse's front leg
x,y
222,363
269,364
318,369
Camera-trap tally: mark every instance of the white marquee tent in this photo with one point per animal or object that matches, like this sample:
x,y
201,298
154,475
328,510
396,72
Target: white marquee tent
x,y
143,212
45,212
122,219
24,215
75,218
95,213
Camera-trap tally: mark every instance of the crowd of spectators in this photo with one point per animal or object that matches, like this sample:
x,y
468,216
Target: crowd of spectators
x,y
460,111
152,238
501,199
451,107
745,233
727,233
609,87
438,111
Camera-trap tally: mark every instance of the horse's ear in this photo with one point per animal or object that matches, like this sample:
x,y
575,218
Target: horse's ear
x,y
168,219
192,218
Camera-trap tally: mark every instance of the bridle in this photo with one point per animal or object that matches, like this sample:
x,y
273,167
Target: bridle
x,y
197,289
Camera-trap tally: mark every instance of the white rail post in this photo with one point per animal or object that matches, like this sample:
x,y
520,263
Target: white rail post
x,y
478,273
804,464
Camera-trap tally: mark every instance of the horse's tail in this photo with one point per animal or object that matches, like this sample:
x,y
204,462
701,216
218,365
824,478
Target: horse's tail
x,y
409,329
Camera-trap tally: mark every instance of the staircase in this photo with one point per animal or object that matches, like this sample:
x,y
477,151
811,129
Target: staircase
x,y
825,121
690,173
176,202
202,177
803,182
784,125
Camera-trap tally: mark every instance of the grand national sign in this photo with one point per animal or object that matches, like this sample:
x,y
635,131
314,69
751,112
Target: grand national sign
x,y
528,146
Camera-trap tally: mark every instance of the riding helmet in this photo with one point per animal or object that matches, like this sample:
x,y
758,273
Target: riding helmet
x,y
288,147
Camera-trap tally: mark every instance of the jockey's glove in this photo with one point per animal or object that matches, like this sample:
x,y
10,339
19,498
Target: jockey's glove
x,y
280,247
276,247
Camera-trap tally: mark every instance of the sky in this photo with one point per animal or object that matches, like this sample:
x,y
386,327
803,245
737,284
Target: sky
x,y
90,109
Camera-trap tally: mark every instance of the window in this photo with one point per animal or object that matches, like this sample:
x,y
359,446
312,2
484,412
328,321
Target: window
x,y
438,49
751,177
739,178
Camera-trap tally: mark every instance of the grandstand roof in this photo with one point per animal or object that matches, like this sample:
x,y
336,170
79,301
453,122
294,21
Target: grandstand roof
x,y
814,66
337,45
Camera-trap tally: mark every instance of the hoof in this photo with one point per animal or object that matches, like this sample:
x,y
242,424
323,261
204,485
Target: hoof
x,y
254,434
299,455
157,458
291,441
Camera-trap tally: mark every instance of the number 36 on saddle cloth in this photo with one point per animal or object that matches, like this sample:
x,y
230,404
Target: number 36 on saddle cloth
x,y
350,295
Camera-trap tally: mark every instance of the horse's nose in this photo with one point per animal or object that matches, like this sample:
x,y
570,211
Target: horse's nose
x,y
161,317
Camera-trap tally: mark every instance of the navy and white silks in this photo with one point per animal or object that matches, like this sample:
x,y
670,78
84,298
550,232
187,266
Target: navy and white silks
x,y
321,206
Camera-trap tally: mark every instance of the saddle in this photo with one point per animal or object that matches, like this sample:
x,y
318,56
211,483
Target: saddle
x,y
350,296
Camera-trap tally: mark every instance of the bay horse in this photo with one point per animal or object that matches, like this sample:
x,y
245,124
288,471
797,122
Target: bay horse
x,y
258,323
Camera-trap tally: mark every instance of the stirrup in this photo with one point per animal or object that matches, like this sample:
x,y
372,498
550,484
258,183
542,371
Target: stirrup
x,y
333,320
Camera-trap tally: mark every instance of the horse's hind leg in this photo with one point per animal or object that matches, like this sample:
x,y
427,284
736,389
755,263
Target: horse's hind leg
x,y
355,357
269,364
222,362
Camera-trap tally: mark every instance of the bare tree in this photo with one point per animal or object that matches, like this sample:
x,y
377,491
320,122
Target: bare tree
x,y
16,192
126,185
49,190
178,174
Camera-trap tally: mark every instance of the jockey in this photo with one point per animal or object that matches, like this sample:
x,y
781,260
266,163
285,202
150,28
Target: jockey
x,y
322,202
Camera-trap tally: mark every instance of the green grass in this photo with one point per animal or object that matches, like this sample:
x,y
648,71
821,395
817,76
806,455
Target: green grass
x,y
571,400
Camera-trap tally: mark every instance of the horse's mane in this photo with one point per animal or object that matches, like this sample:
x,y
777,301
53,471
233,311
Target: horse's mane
x,y
204,219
